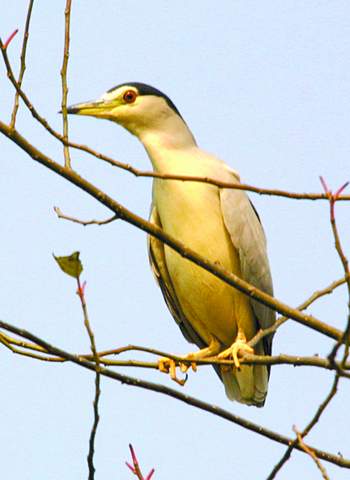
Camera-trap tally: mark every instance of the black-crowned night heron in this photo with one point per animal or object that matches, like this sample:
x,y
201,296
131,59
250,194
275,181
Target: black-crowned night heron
x,y
219,224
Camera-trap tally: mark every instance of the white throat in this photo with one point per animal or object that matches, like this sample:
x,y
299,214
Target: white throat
x,y
163,140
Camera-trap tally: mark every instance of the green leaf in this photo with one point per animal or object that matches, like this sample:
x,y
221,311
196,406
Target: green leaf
x,y
70,265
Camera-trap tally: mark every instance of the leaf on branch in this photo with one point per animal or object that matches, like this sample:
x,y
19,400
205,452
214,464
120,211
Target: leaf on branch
x,y
71,265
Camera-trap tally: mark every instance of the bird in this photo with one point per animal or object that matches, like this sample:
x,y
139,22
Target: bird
x,y
220,224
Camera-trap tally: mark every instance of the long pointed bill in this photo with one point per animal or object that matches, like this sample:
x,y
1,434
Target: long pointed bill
x,y
93,108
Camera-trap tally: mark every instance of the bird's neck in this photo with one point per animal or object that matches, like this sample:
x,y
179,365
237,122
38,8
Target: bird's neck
x,y
167,139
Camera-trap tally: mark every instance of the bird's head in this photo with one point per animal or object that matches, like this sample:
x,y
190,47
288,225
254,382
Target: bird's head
x,y
137,107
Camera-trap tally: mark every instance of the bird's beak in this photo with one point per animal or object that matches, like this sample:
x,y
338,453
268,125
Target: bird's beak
x,y
95,108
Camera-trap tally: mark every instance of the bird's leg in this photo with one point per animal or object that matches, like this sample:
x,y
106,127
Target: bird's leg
x,y
167,365
211,350
239,345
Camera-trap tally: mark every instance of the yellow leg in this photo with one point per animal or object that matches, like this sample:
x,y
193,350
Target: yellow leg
x,y
239,345
211,350
167,365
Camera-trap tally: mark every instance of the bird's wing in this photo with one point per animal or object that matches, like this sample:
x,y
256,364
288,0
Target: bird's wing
x,y
248,237
161,274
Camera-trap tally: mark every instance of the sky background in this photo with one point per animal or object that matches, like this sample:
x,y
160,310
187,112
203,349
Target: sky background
x,y
265,86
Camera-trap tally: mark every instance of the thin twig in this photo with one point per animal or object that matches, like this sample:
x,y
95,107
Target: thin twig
x,y
60,214
295,443
135,382
331,357
311,453
23,63
141,173
313,361
322,406
7,42
67,12
281,320
18,351
344,261
90,457
248,359
316,295
21,343
135,467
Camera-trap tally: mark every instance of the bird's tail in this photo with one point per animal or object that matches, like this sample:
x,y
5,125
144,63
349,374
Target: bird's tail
x,y
247,385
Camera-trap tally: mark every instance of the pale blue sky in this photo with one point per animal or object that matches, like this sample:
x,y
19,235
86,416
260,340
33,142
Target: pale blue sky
x,y
265,86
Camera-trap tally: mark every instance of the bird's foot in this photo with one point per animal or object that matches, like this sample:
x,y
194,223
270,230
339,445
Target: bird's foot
x,y
235,350
168,365
190,360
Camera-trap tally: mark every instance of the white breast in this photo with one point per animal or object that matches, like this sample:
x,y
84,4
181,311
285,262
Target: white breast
x,y
191,212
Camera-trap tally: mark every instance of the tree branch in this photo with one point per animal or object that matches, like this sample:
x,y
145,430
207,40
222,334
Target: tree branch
x,y
344,261
332,355
90,457
23,63
135,382
281,320
83,222
141,173
311,453
295,443
67,12
130,217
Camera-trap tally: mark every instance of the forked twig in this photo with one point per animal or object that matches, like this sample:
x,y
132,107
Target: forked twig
x,y
312,454
135,467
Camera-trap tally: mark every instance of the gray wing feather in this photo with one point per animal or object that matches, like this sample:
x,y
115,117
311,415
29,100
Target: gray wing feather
x,y
248,237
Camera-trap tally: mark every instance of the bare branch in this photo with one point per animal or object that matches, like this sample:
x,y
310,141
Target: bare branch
x,y
189,178
67,12
135,467
21,343
38,349
135,382
311,453
281,320
140,173
332,355
23,63
344,261
4,339
295,443
23,96
90,457
7,42
130,217
248,359
60,214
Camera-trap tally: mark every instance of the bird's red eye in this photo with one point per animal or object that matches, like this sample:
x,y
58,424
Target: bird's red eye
x,y
129,96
